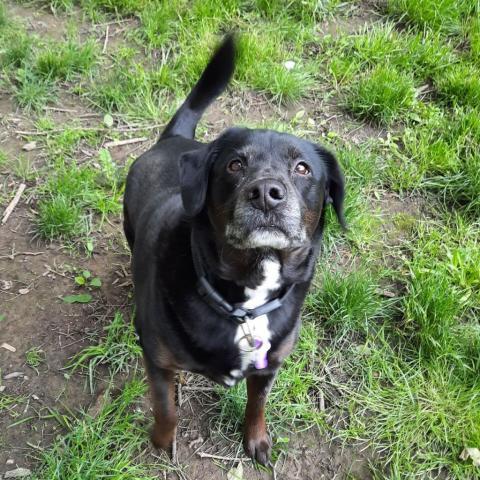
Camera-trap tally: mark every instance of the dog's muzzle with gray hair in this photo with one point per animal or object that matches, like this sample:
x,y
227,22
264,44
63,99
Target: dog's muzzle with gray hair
x,y
267,215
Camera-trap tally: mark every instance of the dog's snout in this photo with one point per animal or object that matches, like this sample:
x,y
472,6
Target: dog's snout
x,y
266,194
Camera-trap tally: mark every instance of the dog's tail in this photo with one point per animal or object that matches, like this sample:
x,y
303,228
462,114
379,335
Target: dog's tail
x,y
213,81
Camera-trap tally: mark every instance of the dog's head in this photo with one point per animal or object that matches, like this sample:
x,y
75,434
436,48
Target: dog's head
x,y
262,189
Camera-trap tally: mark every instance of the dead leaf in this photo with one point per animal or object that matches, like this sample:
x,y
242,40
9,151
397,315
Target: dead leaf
x,y
13,375
96,407
30,146
7,346
6,284
236,473
471,453
18,473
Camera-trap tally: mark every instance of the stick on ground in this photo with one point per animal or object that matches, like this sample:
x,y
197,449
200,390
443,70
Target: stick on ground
x,y
13,203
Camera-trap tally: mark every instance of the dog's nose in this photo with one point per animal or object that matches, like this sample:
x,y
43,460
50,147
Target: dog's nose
x,y
266,194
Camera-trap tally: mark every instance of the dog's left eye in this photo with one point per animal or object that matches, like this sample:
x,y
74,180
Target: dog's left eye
x,y
302,169
235,166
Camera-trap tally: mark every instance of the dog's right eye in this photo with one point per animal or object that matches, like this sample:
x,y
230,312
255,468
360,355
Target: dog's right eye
x,y
235,166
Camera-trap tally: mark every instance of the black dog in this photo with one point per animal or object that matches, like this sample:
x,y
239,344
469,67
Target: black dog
x,y
224,239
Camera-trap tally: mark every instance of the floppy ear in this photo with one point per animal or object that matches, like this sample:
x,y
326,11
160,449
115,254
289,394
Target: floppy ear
x,y
335,183
194,172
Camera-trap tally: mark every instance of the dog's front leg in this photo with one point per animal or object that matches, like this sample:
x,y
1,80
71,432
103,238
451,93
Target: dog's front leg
x,y
256,441
162,388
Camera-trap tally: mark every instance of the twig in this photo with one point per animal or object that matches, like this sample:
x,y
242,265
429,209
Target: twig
x,y
198,389
113,22
13,203
56,109
219,457
174,448
95,129
119,143
106,39
15,254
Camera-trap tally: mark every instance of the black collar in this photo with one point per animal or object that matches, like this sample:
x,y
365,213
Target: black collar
x,y
212,297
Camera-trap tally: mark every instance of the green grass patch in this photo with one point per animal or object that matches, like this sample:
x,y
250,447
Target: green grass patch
x,y
460,85
72,193
446,16
17,49
63,61
440,155
347,303
261,65
118,7
8,402
418,419
383,95
305,12
104,446
418,54
32,92
118,349
34,357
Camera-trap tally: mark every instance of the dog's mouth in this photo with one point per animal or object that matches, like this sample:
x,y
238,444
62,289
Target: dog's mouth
x,y
264,236
278,229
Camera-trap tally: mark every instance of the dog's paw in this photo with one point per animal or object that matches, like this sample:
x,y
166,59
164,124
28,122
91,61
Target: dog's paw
x,y
162,438
258,447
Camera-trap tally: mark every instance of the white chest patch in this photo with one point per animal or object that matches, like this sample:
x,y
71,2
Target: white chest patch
x,y
258,327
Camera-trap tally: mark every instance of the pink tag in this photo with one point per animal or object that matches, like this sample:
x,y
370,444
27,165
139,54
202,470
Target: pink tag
x,y
262,350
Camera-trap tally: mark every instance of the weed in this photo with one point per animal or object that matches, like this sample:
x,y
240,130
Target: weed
x,y
8,402
34,357
85,280
23,168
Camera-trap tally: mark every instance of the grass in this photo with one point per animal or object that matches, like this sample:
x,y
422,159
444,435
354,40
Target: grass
x,y
32,92
8,402
34,357
117,349
85,453
441,156
69,196
383,95
348,303
446,16
396,375
64,61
